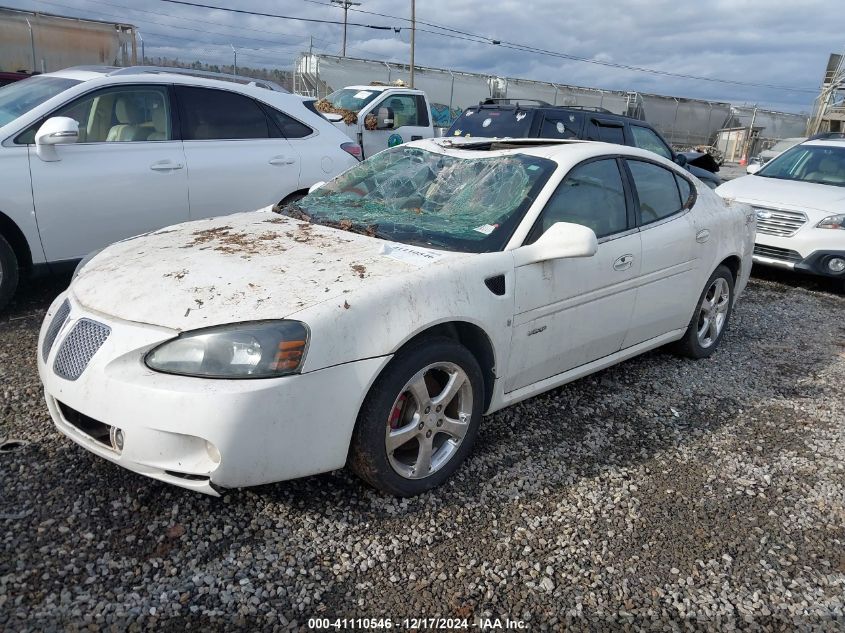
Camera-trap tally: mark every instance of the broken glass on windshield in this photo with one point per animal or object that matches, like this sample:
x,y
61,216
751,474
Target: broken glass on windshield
x,y
408,194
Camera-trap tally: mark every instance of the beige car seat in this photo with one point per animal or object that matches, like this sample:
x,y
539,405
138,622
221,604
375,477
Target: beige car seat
x,y
159,132
129,119
828,170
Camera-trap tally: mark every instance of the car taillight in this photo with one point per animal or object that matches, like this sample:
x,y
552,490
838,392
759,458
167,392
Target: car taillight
x,y
354,149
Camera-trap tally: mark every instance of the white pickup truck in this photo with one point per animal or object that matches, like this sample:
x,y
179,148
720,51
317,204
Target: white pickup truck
x,y
377,117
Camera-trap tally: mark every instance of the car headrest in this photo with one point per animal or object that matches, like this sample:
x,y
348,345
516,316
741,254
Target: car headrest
x,y
160,119
126,111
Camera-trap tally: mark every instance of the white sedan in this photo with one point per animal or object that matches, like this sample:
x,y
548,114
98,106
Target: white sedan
x,y
376,321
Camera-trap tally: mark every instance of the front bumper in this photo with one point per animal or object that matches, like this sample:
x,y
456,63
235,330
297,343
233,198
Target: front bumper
x,y
808,250
197,433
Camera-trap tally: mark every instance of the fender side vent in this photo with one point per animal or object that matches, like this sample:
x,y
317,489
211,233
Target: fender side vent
x,y
496,284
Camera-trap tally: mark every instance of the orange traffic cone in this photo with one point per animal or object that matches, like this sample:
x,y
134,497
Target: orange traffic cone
x,y
743,161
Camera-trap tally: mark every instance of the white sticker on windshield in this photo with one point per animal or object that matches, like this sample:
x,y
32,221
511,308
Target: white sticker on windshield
x,y
362,94
521,115
487,122
487,229
561,128
411,254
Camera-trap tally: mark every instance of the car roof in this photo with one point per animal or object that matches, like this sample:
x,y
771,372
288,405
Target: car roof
x,y
160,74
826,142
560,150
379,88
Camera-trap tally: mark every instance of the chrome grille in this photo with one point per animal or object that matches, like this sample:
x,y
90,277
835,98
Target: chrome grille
x,y
56,324
79,347
773,252
779,222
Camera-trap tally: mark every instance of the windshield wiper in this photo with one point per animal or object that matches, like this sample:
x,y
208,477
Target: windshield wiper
x,y
296,212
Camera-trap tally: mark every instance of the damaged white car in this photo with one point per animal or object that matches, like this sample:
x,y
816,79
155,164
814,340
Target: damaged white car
x,y
377,321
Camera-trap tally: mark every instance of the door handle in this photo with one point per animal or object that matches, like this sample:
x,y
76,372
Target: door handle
x,y
166,165
702,236
624,262
281,160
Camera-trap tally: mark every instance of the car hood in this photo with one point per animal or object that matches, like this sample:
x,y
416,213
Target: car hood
x,y
787,194
249,266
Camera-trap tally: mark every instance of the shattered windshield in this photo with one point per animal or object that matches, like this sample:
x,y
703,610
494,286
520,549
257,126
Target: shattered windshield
x,y
415,196
351,98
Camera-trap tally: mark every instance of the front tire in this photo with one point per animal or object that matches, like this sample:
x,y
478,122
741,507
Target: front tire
x,y
711,316
8,272
419,421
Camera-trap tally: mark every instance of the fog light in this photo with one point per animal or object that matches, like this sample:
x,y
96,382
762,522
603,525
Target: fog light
x,y
116,438
213,453
836,264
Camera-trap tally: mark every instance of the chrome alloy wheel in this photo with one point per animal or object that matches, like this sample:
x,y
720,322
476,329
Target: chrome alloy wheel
x,y
428,420
713,312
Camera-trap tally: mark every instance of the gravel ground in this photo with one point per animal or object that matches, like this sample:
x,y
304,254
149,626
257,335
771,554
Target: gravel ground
x,y
662,494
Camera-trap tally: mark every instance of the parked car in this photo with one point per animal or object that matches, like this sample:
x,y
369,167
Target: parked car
x,y
375,322
379,116
799,198
514,118
89,156
773,152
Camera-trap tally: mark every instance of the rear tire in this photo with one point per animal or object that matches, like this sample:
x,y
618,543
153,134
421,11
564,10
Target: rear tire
x,y
711,316
9,272
420,418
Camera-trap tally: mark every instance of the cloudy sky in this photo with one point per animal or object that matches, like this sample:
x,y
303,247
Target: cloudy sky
x,y
776,42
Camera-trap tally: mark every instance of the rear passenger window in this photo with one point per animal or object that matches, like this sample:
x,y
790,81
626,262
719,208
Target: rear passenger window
x,y
218,114
656,189
592,195
560,128
686,191
288,126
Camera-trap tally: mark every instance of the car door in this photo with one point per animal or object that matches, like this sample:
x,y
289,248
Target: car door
x,y
569,312
124,176
670,254
237,158
410,122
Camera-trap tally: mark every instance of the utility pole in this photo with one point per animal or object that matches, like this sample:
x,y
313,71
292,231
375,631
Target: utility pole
x,y
345,4
143,55
413,36
235,66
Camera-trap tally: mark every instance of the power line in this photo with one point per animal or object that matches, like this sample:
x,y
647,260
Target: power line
x,y
483,39
276,15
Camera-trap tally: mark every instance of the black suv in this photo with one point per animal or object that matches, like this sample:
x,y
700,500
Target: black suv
x,y
513,118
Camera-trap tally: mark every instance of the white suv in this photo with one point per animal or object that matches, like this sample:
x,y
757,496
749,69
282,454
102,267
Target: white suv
x,y
799,198
89,156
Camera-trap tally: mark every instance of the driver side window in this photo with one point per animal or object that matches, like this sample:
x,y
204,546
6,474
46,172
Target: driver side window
x,y
407,110
115,115
592,194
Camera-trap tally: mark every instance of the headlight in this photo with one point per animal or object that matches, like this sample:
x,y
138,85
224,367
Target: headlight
x,y
260,349
833,222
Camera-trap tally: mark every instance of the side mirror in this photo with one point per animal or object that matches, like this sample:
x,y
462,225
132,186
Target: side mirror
x,y
681,160
753,169
55,131
385,119
332,116
316,186
561,240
